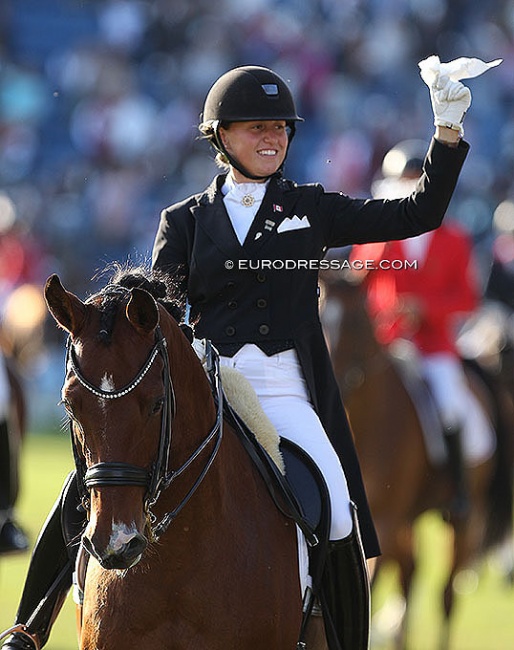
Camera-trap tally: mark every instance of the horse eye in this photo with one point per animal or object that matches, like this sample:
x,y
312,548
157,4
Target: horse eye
x,y
67,407
157,407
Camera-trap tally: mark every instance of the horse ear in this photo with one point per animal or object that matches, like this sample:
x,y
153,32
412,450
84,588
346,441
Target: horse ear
x,y
142,311
68,310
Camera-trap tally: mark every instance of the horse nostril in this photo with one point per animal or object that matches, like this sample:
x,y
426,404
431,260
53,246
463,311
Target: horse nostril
x,y
127,556
135,546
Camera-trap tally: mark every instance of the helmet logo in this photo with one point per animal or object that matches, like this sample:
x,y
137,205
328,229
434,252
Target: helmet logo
x,y
270,89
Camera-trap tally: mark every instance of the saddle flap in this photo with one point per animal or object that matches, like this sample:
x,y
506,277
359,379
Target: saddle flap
x,y
308,485
279,488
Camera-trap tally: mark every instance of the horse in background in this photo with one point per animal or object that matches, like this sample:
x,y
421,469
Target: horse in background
x,y
21,339
486,341
401,481
13,424
186,547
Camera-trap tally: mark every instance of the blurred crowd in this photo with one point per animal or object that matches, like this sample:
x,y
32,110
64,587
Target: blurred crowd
x,y
100,100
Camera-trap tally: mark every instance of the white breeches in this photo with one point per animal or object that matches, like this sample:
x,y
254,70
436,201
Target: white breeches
x,y
281,388
458,406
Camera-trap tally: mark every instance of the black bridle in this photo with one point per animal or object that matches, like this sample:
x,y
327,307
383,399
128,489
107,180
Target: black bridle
x,y
159,477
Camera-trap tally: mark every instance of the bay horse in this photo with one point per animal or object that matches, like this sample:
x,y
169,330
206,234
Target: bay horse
x,y
187,550
400,479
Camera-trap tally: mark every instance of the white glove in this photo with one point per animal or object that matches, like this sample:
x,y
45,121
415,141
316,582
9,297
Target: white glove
x,y
450,101
450,98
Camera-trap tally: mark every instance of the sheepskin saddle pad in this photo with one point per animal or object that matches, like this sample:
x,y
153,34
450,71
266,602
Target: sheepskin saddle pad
x,y
242,398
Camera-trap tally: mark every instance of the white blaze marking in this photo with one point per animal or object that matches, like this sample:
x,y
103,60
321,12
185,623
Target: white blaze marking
x,y
107,384
121,534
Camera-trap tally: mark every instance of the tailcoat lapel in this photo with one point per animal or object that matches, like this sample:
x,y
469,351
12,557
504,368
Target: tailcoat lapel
x,y
211,215
276,205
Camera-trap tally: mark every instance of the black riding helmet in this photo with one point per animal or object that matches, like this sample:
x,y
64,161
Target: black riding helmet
x,y
246,94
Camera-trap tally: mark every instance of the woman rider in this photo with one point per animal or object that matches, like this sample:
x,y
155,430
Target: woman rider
x,y
227,246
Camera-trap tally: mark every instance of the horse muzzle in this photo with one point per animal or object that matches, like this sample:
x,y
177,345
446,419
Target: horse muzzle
x,y
123,550
122,546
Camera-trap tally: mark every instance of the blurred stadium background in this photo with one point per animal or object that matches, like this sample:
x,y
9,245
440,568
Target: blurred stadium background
x,y
99,102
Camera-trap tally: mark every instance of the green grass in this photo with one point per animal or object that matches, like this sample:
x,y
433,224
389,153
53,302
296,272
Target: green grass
x,y
484,618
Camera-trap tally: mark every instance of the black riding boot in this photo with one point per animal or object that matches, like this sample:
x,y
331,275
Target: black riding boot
x,y
345,594
459,505
50,572
12,537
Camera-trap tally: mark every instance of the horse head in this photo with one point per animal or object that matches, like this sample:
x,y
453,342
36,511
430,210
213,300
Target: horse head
x,y
348,328
140,401
118,395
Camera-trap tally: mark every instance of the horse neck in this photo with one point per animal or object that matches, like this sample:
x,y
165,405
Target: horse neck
x,y
357,350
195,411
215,500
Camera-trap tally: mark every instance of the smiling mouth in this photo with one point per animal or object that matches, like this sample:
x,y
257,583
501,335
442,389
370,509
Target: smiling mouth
x,y
267,152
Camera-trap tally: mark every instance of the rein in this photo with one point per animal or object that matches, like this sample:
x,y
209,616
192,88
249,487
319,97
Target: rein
x,y
216,431
107,474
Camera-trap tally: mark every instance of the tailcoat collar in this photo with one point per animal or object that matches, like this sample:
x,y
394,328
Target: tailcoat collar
x,y
212,217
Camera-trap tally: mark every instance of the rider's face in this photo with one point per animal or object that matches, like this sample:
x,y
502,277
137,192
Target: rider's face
x,y
259,146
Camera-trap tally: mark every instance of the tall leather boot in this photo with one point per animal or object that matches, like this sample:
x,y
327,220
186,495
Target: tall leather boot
x,y
345,593
50,572
459,505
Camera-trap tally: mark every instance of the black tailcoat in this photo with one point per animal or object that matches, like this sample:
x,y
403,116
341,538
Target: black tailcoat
x,y
266,290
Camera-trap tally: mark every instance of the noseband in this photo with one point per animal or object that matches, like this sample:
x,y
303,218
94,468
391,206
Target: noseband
x,y
158,478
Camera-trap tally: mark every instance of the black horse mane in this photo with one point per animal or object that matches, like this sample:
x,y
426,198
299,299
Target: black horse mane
x,y
122,279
